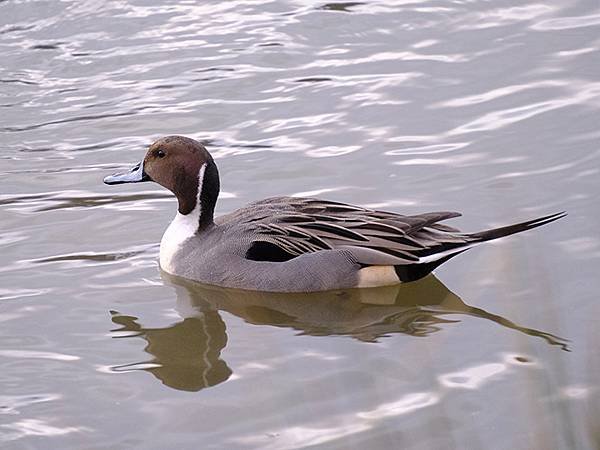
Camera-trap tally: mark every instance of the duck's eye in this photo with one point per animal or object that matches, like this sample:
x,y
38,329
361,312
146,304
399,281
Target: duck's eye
x,y
161,154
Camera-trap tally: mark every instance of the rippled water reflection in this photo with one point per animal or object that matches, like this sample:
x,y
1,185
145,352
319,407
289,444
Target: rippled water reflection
x,y
490,108
186,355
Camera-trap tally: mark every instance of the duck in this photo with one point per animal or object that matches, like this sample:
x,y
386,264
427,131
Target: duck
x,y
293,244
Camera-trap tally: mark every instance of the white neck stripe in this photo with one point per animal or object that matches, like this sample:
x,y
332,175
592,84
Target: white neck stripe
x,y
183,227
198,208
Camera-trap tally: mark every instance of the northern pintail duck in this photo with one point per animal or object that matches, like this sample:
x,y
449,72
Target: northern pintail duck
x,y
292,244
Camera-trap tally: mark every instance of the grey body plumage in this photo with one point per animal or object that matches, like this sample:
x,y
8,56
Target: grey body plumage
x,y
290,244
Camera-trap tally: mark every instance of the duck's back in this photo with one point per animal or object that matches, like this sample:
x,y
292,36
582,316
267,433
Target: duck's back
x,y
301,244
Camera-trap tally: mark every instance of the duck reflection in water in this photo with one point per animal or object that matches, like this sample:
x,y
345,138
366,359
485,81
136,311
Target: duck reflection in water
x,y
186,355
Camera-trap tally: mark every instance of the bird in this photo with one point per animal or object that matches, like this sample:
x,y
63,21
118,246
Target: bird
x,y
293,244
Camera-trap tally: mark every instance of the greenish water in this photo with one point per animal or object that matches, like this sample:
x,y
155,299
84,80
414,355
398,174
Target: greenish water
x,y
491,109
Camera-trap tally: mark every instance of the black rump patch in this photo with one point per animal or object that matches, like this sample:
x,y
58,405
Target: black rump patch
x,y
413,272
267,251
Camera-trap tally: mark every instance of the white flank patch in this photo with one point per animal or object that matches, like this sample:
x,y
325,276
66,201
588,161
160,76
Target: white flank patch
x,y
183,227
374,276
440,255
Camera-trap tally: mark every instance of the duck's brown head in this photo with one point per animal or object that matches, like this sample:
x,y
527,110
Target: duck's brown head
x,y
183,166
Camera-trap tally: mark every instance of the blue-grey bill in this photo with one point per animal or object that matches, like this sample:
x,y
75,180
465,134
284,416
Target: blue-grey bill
x,y
135,175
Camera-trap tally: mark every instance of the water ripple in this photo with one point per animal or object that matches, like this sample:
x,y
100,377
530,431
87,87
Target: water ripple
x,y
333,428
34,427
11,404
584,93
48,201
567,23
499,17
93,258
32,354
9,294
497,93
408,403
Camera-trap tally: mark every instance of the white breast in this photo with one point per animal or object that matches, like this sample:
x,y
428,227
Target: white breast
x,y
180,230
183,227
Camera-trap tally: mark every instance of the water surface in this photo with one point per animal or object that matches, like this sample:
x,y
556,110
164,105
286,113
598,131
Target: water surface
x,y
488,108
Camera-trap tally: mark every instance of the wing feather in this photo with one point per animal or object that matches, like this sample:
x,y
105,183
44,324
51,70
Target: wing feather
x,y
303,225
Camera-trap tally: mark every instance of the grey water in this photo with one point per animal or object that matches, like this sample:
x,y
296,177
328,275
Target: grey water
x,y
488,108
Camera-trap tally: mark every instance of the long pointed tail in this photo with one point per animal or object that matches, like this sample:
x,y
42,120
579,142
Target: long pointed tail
x,y
429,262
473,239
496,233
